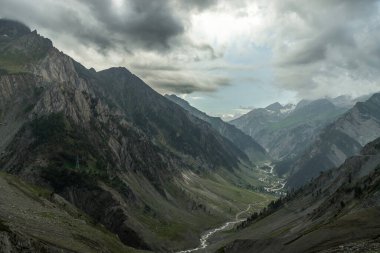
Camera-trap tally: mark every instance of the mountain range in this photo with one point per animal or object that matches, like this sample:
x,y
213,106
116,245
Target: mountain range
x,y
244,142
126,157
343,138
335,212
285,131
98,161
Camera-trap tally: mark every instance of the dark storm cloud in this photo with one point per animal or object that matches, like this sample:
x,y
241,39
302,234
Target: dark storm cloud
x,y
185,85
182,88
150,24
324,45
52,16
316,49
198,4
135,24
145,30
139,66
316,45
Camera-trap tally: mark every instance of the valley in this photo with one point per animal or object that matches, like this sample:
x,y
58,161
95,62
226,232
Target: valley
x,y
267,174
99,161
321,215
225,227
273,184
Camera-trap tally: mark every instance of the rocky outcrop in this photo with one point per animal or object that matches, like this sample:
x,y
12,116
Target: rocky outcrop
x,y
104,208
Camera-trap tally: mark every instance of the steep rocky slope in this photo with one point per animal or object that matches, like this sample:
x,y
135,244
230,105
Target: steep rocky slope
x,y
33,219
244,142
111,146
336,212
285,131
339,140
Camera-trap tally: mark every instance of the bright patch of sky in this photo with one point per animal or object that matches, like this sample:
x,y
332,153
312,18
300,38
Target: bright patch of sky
x,y
241,36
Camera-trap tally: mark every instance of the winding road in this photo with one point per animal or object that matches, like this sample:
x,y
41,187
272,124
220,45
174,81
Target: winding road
x,y
226,226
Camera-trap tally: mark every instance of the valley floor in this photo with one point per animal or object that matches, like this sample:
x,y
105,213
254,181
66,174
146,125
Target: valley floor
x,y
270,182
41,217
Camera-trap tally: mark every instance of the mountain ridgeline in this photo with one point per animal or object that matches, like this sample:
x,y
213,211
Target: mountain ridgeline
x,y
244,142
97,161
336,212
116,151
343,138
285,131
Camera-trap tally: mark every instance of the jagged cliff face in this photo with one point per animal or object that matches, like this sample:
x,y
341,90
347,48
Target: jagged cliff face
x,y
336,212
64,86
106,142
338,141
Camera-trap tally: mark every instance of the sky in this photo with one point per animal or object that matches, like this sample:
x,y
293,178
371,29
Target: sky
x,y
225,57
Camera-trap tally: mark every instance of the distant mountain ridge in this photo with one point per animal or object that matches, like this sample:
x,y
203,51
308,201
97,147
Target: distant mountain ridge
x,y
341,139
245,143
100,162
285,131
112,147
336,212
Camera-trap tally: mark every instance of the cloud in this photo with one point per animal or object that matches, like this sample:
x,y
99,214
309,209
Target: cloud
x,y
198,4
149,37
325,48
249,108
313,48
187,83
150,24
146,24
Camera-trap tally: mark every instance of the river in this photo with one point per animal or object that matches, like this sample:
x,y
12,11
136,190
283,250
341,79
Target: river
x,y
278,186
226,226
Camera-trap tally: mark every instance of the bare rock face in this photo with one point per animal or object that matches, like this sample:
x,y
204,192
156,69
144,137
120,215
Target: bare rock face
x,y
58,68
72,102
105,141
338,141
336,212
362,123
18,95
105,208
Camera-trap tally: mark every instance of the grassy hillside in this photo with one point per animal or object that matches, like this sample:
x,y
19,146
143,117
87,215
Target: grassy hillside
x,y
38,215
337,209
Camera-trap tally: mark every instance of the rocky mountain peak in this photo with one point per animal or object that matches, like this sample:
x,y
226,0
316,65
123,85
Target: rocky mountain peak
x,y
118,70
10,28
20,47
275,107
309,106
